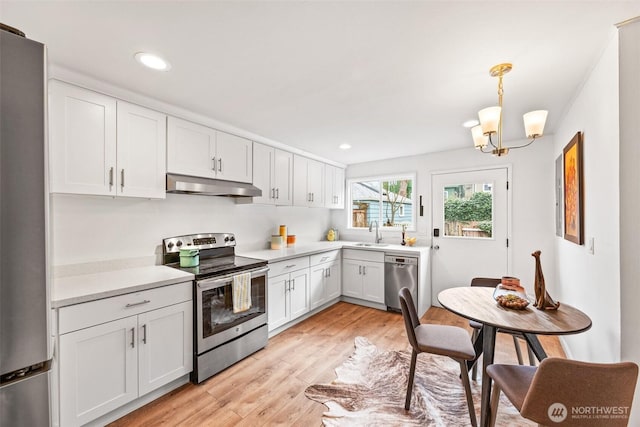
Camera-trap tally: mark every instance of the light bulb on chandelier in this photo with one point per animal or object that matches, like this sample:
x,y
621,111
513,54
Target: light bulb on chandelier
x,y
490,126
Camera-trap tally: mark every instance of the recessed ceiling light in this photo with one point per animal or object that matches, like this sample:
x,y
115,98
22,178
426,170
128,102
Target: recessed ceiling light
x,y
344,146
152,61
471,123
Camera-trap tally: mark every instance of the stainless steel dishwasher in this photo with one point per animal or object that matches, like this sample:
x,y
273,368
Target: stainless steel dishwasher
x,y
400,271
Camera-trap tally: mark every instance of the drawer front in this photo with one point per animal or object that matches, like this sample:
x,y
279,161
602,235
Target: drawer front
x,y
324,257
87,314
375,256
287,266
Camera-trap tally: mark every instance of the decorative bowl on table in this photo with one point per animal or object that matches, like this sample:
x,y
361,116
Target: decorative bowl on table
x,y
511,299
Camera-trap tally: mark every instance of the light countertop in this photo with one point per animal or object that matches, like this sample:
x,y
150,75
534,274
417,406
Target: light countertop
x,y
79,288
274,255
89,287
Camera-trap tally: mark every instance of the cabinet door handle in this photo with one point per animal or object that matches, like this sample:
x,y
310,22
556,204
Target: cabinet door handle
x,y
313,197
277,193
329,272
220,164
273,193
133,337
288,282
138,303
111,178
213,160
294,284
144,334
122,178
359,269
364,270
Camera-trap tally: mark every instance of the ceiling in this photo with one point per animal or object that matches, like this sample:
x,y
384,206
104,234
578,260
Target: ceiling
x,y
390,78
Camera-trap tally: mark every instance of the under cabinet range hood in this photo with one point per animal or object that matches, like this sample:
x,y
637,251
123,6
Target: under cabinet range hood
x,y
183,184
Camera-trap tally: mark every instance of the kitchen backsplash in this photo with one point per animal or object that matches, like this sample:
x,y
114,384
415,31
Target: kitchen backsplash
x,y
88,229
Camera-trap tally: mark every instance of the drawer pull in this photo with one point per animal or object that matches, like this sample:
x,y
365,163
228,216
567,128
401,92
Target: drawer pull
x,y
289,266
138,303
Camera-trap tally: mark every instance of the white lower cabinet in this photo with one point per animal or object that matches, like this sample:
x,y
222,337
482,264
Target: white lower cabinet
x,y
325,278
106,364
363,275
288,294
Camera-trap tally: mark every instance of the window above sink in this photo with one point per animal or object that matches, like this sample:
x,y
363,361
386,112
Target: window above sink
x,y
389,200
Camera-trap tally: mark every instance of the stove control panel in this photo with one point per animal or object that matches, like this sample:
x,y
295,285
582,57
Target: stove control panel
x,y
198,241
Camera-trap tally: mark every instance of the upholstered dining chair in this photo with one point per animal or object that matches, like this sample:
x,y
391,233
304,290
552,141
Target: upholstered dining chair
x,y
443,340
567,393
489,282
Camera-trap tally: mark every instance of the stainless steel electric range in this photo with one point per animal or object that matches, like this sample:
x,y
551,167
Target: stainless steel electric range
x,y
221,337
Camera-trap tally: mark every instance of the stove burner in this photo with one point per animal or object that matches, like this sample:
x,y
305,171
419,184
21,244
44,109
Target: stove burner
x,y
219,266
217,254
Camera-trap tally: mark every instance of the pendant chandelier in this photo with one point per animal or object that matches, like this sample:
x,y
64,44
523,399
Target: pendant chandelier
x,y
489,131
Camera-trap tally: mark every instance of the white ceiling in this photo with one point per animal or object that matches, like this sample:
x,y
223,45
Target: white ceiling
x,y
391,78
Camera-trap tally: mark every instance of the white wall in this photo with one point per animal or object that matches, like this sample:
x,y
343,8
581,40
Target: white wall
x,y
592,282
630,199
533,200
93,228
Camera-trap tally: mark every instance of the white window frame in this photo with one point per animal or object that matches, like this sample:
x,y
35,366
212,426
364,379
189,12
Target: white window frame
x,y
393,177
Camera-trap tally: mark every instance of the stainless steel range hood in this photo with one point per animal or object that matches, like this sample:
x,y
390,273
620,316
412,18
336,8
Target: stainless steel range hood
x,y
183,184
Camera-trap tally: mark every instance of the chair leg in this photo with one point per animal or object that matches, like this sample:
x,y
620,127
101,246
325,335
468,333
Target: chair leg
x,y
495,400
518,352
412,371
464,374
474,370
532,357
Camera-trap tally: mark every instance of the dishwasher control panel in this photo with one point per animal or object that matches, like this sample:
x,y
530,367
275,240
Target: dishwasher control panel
x,y
400,259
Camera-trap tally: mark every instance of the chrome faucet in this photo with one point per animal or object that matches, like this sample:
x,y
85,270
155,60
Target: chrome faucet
x,y
378,236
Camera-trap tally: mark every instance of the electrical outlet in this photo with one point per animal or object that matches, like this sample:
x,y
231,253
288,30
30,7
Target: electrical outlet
x,y
590,245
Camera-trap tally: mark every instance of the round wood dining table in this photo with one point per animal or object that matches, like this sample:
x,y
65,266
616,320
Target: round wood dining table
x,y
478,303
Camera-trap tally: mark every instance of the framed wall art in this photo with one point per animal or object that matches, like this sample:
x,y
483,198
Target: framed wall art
x,y
573,190
559,198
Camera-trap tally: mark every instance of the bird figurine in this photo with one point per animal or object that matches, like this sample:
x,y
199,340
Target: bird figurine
x,y
543,299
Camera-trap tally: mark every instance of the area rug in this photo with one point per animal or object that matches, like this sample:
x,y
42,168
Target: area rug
x,y
371,386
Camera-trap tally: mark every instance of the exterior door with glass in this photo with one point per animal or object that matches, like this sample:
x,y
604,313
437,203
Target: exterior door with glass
x,y
470,227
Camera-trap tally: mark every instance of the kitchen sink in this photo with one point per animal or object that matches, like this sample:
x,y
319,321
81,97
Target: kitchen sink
x,y
375,245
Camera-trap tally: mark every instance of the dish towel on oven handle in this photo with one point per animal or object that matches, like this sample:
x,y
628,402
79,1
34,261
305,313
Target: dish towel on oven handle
x,y
241,292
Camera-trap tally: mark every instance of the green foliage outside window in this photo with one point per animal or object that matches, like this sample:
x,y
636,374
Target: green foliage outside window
x,y
476,208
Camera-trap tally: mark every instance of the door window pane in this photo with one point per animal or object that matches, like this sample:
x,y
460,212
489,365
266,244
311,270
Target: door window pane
x,y
468,210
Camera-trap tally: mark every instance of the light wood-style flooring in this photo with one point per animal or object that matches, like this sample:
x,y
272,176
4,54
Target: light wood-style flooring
x,y
267,388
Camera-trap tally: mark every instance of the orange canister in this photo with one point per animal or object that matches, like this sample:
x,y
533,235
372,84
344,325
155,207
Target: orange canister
x,y
291,240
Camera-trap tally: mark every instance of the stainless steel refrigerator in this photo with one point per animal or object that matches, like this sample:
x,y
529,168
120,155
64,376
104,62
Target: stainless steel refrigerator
x,y
25,342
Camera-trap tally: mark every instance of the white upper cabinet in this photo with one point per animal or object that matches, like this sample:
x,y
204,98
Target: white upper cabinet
x,y
141,152
235,157
82,140
102,146
308,182
273,174
197,150
191,149
334,187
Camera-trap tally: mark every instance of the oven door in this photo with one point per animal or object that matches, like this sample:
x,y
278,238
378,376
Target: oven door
x,y
216,322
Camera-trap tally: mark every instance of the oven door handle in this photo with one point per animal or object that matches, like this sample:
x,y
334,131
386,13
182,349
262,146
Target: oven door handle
x,y
219,281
